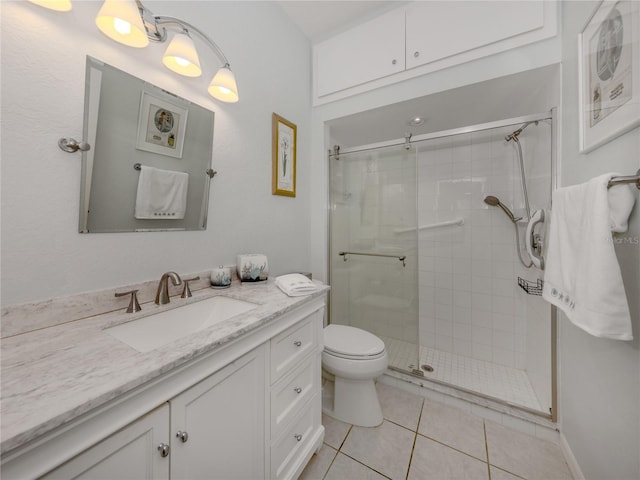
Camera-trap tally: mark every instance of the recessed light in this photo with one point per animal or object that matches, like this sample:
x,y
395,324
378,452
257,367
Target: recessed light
x,y
416,121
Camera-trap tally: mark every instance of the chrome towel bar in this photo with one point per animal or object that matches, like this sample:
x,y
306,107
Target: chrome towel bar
x,y
402,258
212,173
625,179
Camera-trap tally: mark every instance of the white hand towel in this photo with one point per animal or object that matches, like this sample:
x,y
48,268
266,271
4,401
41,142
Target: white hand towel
x,y
582,275
162,194
295,284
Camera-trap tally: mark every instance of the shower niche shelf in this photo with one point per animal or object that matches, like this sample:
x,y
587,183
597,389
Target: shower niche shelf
x,y
530,287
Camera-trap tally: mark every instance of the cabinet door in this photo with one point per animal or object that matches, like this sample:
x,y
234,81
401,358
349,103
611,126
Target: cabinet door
x,y
130,453
453,32
367,52
224,420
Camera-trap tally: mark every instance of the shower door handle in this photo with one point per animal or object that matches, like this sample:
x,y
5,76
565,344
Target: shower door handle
x,y
533,241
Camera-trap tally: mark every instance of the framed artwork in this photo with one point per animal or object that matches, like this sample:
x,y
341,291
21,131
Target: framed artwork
x,y
283,156
161,126
609,73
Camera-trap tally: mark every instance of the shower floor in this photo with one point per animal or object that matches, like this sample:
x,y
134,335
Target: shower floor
x,y
507,384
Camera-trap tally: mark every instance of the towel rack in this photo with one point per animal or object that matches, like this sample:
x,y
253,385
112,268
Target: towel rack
x,y
625,179
402,258
212,173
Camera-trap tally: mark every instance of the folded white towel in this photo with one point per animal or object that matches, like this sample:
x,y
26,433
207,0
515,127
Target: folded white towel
x,y
162,194
295,284
582,275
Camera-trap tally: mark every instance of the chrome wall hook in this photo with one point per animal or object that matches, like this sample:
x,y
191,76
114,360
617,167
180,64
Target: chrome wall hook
x,y
71,145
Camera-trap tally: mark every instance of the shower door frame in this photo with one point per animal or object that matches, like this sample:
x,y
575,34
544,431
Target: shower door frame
x,y
408,141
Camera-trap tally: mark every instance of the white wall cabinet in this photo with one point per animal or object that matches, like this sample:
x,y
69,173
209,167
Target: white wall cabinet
x,y
429,36
372,50
250,411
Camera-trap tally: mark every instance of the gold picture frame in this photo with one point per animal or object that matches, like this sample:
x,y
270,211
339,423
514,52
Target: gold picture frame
x,y
284,140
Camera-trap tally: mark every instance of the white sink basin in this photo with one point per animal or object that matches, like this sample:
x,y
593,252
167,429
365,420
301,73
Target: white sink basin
x,y
151,332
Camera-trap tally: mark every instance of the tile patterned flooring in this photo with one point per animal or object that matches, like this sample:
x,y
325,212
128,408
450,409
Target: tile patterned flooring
x,y
423,440
487,378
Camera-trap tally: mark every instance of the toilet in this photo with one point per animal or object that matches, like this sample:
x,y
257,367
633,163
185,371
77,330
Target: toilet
x,y
353,358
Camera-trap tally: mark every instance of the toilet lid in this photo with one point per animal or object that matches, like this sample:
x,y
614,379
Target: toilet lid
x,y
351,341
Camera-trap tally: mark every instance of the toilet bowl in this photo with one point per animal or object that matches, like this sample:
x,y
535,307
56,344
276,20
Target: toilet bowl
x,y
354,358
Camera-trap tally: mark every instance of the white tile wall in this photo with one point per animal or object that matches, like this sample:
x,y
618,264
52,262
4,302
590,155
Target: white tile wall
x,y
470,271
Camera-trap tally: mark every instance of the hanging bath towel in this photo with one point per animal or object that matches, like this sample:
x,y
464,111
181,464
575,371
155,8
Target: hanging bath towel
x,y
582,275
162,194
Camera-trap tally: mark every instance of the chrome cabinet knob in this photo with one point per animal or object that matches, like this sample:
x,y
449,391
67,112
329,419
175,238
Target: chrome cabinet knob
x,y
416,54
298,437
183,436
394,61
297,390
297,343
163,448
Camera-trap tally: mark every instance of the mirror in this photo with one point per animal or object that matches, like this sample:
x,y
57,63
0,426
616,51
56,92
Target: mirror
x,y
130,125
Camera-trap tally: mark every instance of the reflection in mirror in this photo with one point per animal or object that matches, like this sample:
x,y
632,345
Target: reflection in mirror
x,y
128,121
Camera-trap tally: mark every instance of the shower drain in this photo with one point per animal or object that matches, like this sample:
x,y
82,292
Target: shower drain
x,y
426,368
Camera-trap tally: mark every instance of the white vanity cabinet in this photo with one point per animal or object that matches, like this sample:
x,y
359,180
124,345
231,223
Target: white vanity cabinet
x,y
129,453
249,410
215,429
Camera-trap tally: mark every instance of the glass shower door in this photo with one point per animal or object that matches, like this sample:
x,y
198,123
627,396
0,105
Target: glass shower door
x,y
373,251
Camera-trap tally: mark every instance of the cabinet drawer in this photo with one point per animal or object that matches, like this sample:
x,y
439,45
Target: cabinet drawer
x,y
293,391
291,346
286,450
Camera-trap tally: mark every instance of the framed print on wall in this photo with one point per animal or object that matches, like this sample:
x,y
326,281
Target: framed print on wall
x,y
609,73
283,156
161,126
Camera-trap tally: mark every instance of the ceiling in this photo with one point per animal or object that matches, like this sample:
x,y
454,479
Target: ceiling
x,y
319,18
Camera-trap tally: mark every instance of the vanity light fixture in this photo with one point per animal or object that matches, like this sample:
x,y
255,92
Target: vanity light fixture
x,y
131,23
57,5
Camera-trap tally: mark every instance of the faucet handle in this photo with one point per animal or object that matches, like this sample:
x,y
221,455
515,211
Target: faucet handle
x,y
186,291
134,306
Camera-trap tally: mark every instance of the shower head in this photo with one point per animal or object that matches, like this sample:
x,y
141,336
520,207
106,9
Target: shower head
x,y
495,202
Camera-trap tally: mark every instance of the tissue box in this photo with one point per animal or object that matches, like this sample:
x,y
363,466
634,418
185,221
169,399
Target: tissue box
x,y
252,267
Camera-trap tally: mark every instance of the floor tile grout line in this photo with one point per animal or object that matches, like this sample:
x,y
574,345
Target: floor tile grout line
x,y
486,447
364,465
449,446
331,464
415,438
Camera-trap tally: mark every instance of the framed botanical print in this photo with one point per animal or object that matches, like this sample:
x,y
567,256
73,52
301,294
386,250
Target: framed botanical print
x,y
284,135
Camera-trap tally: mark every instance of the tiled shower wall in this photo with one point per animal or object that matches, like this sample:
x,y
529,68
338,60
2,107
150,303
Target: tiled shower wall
x,y
470,302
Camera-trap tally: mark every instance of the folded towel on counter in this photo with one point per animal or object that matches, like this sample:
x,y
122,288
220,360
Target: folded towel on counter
x,y
162,194
295,284
582,276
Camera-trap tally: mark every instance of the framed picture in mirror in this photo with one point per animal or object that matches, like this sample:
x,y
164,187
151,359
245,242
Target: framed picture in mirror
x,y
161,126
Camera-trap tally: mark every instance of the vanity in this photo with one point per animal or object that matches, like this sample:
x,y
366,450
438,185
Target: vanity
x,y
240,398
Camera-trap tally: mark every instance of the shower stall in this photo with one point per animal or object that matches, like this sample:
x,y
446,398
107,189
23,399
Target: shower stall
x,y
426,237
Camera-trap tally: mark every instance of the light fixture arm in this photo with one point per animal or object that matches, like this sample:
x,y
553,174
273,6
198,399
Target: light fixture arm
x,y
155,32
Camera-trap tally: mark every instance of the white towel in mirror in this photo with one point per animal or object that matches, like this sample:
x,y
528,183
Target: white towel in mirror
x,y
162,194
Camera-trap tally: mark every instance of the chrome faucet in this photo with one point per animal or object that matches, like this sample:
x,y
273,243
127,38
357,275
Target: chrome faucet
x,y
162,294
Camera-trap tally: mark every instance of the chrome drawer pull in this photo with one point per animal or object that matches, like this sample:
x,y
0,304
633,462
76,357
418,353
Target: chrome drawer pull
x,y
298,437
297,390
163,448
183,436
297,343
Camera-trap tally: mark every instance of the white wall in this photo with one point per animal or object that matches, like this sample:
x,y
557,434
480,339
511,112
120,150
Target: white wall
x,y
43,72
600,379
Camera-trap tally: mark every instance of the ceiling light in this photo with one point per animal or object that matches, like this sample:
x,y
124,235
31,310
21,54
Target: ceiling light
x,y
57,5
181,56
416,121
120,20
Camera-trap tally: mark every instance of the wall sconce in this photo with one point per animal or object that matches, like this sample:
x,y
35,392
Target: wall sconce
x,y
131,23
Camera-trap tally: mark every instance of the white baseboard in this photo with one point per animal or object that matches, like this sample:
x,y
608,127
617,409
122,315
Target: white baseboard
x,y
571,460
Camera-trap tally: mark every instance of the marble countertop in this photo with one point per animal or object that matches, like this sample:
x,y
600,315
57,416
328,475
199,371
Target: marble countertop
x,y
52,375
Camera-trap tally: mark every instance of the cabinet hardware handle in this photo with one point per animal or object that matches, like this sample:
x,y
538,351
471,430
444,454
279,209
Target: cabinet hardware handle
x,y
163,448
394,61
298,437
183,436
297,390
297,343
416,54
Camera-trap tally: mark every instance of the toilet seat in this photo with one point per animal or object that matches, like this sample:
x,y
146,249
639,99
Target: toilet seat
x,y
351,343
